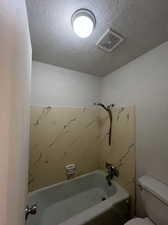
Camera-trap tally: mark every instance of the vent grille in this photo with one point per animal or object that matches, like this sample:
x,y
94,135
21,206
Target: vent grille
x,y
109,40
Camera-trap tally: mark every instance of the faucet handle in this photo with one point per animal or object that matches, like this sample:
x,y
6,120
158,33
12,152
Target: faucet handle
x,y
112,169
108,165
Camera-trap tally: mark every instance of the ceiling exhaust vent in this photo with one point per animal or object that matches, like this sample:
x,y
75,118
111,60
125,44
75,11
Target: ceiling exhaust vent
x,y
109,40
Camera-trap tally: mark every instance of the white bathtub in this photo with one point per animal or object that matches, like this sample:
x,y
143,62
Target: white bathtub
x,y
80,201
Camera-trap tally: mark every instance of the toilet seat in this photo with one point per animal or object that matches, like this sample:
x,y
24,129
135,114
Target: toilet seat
x,y
139,221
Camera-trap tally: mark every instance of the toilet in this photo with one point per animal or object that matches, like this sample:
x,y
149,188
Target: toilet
x,y
155,199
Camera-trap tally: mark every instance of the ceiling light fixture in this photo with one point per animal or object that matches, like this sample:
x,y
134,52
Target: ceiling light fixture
x,y
83,22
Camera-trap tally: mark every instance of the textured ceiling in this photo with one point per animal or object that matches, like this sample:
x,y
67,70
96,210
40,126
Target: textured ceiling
x,y
144,23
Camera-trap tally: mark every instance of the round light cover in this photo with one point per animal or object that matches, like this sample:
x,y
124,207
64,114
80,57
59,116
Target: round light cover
x,y
83,22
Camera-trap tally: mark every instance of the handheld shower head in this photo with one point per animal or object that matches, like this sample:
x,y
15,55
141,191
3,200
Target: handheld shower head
x,y
108,110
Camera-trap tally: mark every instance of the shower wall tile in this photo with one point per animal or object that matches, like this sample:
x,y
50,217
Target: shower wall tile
x,y
121,153
60,136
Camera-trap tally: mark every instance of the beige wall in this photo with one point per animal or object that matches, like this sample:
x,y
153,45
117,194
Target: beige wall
x,y
64,135
60,136
15,65
144,82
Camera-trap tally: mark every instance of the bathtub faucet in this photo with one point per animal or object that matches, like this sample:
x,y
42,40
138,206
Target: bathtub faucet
x,y
111,172
30,210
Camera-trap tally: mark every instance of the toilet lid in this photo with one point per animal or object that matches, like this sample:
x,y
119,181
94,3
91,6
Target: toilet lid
x,y
139,221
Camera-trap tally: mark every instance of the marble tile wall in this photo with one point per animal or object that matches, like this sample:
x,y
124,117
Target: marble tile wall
x,y
121,153
60,136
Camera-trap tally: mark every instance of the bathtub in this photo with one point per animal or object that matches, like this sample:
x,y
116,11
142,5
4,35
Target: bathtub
x,y
86,199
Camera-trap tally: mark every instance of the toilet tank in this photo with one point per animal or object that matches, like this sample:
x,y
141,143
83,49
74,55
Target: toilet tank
x,y
155,199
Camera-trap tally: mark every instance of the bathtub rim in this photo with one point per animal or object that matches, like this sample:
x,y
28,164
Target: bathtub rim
x,y
98,171
100,208
85,216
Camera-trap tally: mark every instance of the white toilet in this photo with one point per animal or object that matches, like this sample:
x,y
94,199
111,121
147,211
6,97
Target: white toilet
x,y
155,198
